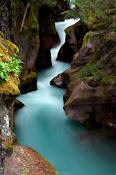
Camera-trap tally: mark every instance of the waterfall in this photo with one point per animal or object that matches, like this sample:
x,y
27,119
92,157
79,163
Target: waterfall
x,y
72,6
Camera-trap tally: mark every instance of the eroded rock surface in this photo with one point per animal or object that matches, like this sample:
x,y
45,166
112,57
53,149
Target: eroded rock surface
x,y
25,159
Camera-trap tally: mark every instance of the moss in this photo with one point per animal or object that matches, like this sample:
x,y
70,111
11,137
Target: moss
x,y
8,145
10,86
69,30
91,19
111,36
32,18
7,49
86,37
112,11
29,76
11,48
1,34
98,26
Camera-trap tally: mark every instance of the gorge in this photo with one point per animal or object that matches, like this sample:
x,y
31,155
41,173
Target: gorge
x,y
57,87
42,125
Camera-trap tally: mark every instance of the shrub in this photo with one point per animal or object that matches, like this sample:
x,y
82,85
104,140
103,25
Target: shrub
x,y
12,66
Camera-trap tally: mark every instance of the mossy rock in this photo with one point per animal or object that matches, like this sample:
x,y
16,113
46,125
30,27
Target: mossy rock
x,y
31,20
7,50
27,77
86,37
10,86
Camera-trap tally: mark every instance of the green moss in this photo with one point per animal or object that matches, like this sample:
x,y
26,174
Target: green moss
x,y
98,26
29,76
111,36
1,34
86,37
7,49
32,18
112,11
68,30
8,145
91,19
10,86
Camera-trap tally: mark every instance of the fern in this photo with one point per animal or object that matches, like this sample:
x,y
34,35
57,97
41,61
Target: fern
x,y
12,66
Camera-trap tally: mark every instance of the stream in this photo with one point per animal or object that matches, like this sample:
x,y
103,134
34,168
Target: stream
x,y
43,125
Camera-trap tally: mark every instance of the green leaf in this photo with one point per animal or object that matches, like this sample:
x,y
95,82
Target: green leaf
x,y
1,55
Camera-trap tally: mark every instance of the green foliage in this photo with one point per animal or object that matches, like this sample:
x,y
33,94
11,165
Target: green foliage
x,y
95,71
12,66
91,11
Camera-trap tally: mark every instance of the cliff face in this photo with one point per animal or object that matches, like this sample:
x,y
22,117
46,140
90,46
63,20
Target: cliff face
x,y
28,41
11,156
37,36
91,81
8,89
31,25
6,20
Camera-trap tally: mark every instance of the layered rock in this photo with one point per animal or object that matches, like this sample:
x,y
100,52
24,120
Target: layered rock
x,y
90,82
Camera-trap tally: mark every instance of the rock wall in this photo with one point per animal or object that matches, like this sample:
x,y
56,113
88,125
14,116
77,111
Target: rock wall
x,y
48,37
12,156
90,82
31,25
36,38
8,89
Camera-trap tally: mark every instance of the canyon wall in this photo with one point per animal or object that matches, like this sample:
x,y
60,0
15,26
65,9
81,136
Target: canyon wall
x,y
90,82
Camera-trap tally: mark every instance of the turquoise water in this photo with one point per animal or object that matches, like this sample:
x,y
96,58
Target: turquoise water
x,y
42,125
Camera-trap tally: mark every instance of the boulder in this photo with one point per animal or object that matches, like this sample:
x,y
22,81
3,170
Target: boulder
x,y
73,42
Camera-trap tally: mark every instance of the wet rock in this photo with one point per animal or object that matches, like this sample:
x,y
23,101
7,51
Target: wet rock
x,y
25,159
18,105
57,81
73,42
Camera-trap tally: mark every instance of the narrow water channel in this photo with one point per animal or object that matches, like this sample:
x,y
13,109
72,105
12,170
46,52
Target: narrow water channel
x,y
43,125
